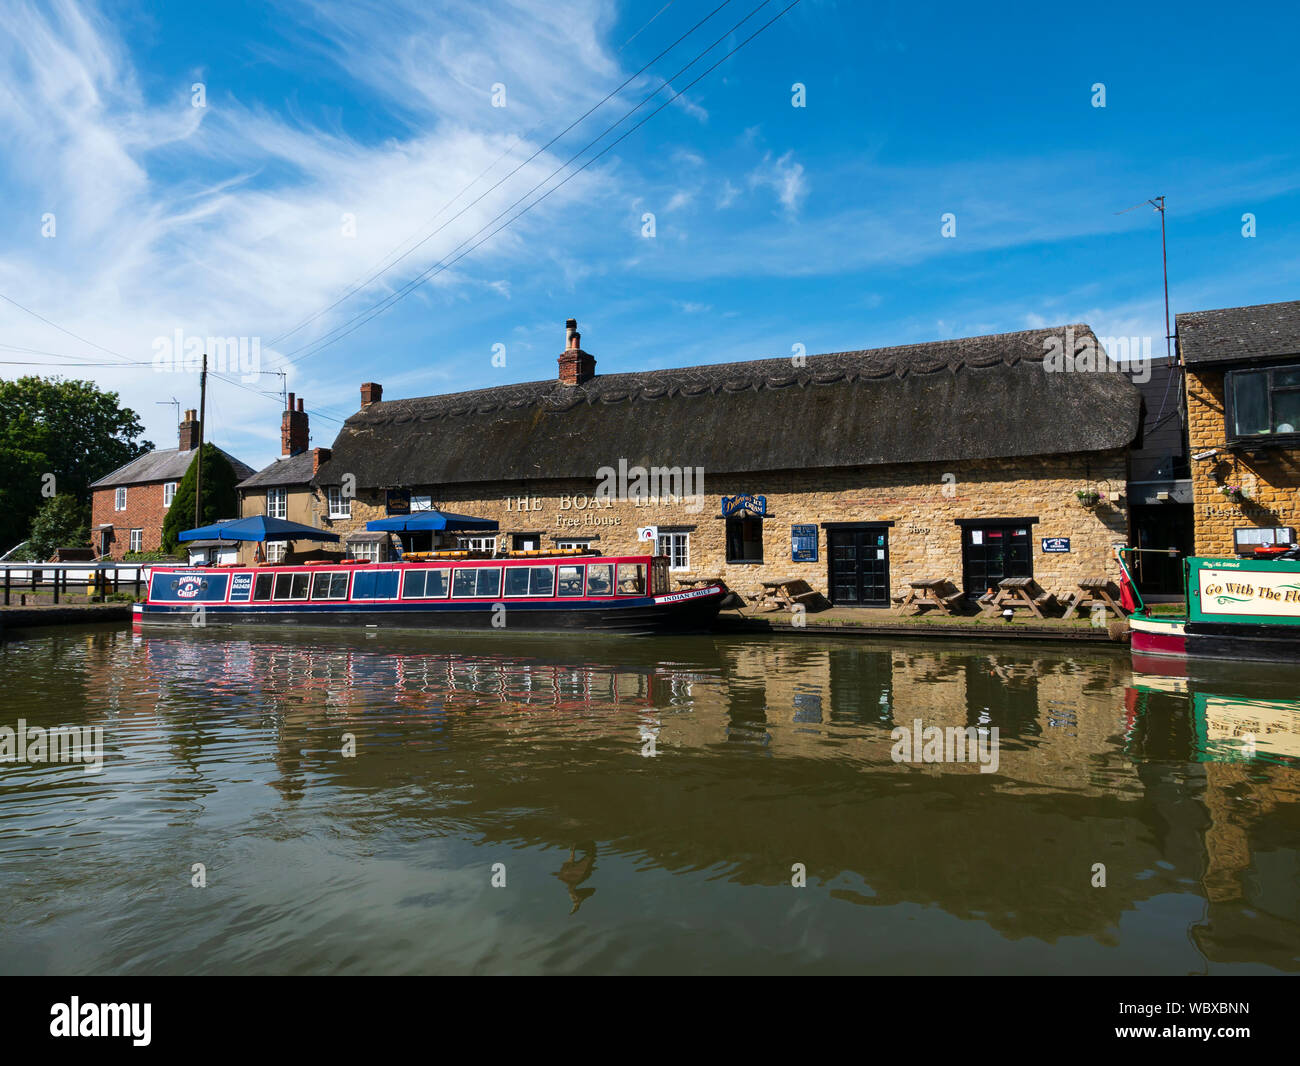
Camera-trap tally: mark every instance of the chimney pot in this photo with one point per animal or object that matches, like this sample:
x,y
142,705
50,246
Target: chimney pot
x,y
294,436
300,410
371,393
188,436
290,405
576,366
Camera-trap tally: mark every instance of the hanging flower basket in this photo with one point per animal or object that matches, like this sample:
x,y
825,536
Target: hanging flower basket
x,y
1088,497
1234,492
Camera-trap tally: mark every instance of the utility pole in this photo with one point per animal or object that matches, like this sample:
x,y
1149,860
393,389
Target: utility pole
x,y
198,473
1159,204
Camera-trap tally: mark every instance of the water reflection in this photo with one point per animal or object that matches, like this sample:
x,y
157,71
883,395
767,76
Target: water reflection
x,y
352,793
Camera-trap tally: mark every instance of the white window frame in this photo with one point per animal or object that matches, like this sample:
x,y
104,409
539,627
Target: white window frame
x,y
668,549
119,498
574,542
277,503
340,506
421,503
276,550
476,544
371,550
136,541
169,492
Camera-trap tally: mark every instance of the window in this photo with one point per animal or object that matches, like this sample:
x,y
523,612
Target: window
x,y
992,551
330,586
421,503
476,544
526,542
600,579
1263,402
479,582
631,579
369,549
744,540
276,550
374,585
137,540
169,493
340,505
569,582
119,499
530,581
424,585
572,545
291,586
262,589
277,503
677,546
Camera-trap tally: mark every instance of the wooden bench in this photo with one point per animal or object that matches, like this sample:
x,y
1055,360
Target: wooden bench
x,y
1099,591
930,592
786,595
1017,593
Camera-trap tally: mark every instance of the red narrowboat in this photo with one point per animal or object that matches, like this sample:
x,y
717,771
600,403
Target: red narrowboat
x,y
537,592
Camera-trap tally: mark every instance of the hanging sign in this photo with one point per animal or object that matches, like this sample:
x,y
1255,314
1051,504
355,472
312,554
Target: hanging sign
x,y
399,501
753,506
650,533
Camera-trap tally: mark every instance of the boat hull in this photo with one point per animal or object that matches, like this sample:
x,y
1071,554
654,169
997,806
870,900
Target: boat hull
x,y
679,613
1213,640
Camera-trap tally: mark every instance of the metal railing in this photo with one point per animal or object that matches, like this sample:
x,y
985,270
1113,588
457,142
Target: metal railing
x,y
98,580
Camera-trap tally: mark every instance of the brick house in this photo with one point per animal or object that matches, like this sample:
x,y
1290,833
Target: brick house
x,y
1243,411
283,488
128,506
856,471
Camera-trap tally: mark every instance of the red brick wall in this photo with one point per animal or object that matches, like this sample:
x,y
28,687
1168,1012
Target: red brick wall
x,y
144,510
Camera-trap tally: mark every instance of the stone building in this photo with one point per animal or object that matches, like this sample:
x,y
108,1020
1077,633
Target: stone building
x,y
283,488
127,507
856,471
1243,409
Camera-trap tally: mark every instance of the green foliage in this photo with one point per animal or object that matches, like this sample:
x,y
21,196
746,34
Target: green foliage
x,y
70,429
62,522
155,557
220,500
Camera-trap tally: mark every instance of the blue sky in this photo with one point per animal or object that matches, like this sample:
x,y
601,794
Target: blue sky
x,y
774,225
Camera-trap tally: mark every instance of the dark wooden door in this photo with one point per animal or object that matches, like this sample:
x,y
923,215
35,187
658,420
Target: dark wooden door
x,y
992,552
859,567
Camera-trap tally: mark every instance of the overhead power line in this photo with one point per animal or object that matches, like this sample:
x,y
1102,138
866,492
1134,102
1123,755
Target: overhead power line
x,y
346,328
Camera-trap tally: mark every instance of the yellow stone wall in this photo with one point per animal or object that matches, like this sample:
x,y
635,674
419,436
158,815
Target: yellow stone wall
x,y
1272,481
923,500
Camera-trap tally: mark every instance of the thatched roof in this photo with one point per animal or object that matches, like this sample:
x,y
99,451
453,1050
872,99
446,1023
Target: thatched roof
x,y
1240,334
972,398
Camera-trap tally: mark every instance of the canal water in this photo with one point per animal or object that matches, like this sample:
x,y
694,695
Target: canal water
x,y
314,802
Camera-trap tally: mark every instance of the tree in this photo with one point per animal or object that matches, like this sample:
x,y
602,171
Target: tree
x,y
61,522
56,437
220,500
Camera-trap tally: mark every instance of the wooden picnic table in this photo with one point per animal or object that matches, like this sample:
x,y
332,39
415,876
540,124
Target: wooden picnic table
x,y
931,592
784,593
1018,593
1095,592
698,582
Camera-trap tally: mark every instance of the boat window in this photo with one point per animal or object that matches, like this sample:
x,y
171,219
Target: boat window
x,y
331,586
542,581
374,585
291,586
570,581
600,579
517,581
463,584
489,581
424,585
262,590
631,579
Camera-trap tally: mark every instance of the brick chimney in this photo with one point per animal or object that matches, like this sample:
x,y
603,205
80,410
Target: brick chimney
x,y
318,457
576,366
371,393
189,431
293,429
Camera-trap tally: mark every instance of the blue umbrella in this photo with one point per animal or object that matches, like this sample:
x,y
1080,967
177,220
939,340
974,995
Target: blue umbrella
x,y
259,527
431,521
